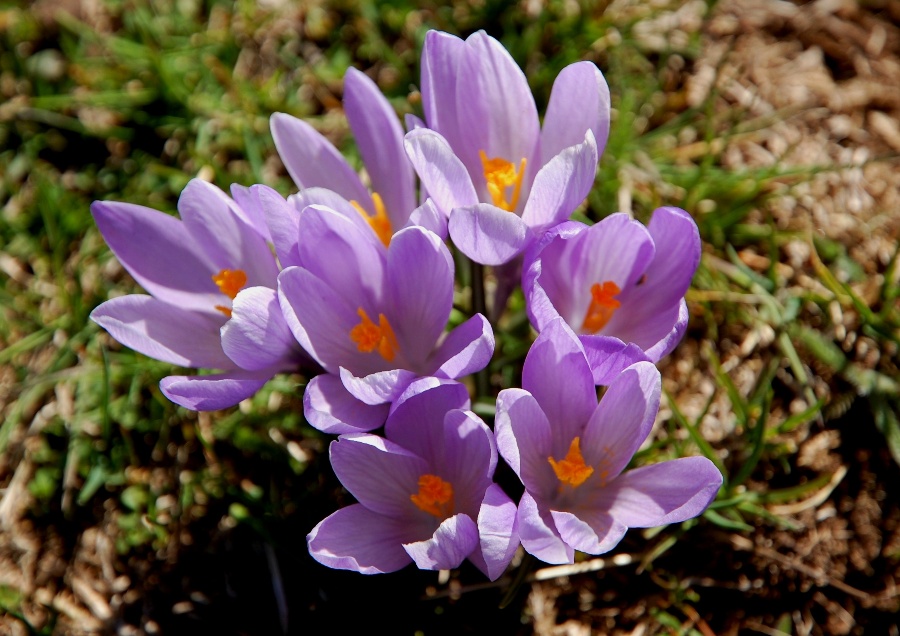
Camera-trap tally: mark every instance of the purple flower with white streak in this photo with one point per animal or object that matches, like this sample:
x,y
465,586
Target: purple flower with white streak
x,y
569,451
425,492
484,158
374,318
212,304
619,285
314,163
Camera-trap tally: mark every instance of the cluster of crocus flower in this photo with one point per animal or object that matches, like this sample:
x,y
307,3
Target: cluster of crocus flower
x,y
352,283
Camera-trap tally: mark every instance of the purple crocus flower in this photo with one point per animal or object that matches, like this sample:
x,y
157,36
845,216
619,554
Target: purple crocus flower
x,y
374,318
619,285
425,492
569,451
212,303
485,160
314,163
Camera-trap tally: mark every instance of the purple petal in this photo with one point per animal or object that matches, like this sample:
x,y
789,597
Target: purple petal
x,y
338,542
610,356
487,234
622,420
539,535
417,417
312,161
217,227
163,331
557,374
161,256
323,198
249,210
379,473
453,541
561,185
579,101
431,218
257,336
498,533
466,349
330,408
419,292
593,532
379,138
671,338
213,392
668,492
379,387
525,441
442,173
442,55
467,459
284,223
540,283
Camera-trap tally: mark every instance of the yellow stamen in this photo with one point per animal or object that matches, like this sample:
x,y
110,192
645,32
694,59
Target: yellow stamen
x,y
379,222
572,469
229,282
435,496
603,306
500,174
370,337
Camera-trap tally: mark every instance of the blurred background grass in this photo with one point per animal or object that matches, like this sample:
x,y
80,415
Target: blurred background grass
x,y
123,513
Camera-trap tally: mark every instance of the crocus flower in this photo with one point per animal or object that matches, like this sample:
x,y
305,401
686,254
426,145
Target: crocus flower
x,y
570,452
212,304
374,318
425,492
485,160
619,285
313,162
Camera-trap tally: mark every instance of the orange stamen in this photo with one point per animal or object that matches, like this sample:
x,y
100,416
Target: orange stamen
x,y
500,174
379,222
603,306
572,469
229,282
435,496
370,337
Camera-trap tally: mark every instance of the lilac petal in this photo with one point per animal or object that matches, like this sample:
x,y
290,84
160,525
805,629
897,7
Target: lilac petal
x,y
379,473
283,221
539,535
498,533
487,234
554,280
330,408
561,185
668,492
379,138
579,101
213,392
429,217
442,55
496,113
467,459
419,291
417,417
466,349
249,210
670,339
257,336
525,441
322,197
312,161
453,541
354,538
165,260
442,173
557,374
379,387
622,420
216,226
163,331
593,532
610,356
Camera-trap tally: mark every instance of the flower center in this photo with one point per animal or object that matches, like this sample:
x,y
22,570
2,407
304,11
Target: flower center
x,y
603,306
435,496
572,469
500,175
379,222
229,282
370,337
